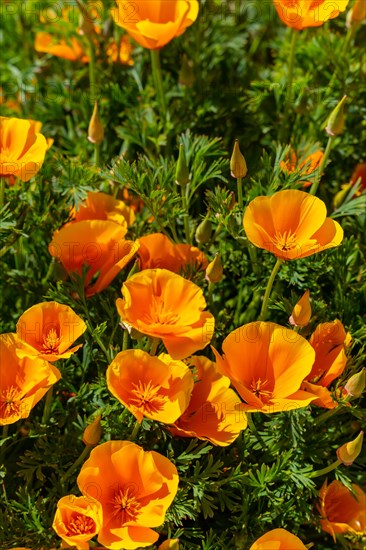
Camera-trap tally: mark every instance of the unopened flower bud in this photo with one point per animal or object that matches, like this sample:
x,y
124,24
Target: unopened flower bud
x,y
169,544
86,25
93,432
214,270
204,231
335,122
182,171
186,76
356,384
238,166
301,313
348,452
95,130
357,14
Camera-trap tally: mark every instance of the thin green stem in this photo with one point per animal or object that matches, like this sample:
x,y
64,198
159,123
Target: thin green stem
x,y
3,447
92,78
47,406
324,161
324,471
267,294
327,415
83,456
135,431
2,192
97,154
289,94
239,182
252,251
126,340
158,81
185,205
154,346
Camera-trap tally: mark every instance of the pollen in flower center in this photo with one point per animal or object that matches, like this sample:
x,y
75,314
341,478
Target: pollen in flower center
x,y
80,525
160,314
145,397
257,387
51,342
126,506
9,402
285,241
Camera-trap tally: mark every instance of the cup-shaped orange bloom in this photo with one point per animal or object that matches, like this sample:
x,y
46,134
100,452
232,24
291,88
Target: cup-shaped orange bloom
x,y
100,206
266,364
135,489
99,245
22,148
158,388
164,305
23,380
340,510
50,328
213,413
300,14
306,166
154,24
278,539
77,520
291,224
157,251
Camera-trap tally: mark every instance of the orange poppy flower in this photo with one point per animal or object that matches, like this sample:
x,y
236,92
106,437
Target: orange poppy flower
x,y
307,166
169,544
97,244
266,364
340,510
154,24
100,206
23,381
278,539
162,304
72,50
156,250
213,412
291,224
300,14
135,489
22,148
120,52
158,388
50,329
77,520
133,201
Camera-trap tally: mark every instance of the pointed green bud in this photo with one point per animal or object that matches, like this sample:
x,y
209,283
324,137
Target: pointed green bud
x,y
95,130
335,122
182,171
348,452
204,231
93,432
356,14
238,166
356,384
86,25
214,270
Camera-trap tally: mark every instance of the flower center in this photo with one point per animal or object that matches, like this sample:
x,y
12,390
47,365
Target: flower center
x,y
9,402
257,387
80,525
160,314
126,507
285,241
51,342
145,396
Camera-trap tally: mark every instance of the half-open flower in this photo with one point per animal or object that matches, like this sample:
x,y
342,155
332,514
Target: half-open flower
x,y
342,511
100,206
304,166
99,245
278,539
22,148
162,304
291,224
213,413
23,380
266,364
77,520
158,388
135,488
50,328
301,14
154,24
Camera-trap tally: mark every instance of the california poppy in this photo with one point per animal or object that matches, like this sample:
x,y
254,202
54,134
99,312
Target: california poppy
x,y
301,313
300,14
340,510
50,328
100,206
100,245
154,24
266,364
305,166
77,520
120,52
278,539
162,304
22,148
135,488
213,413
24,380
158,388
71,50
291,224
156,250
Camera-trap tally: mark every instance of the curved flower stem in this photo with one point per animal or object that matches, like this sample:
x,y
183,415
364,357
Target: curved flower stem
x,y
158,81
83,456
126,340
47,406
290,76
327,415
185,204
267,294
239,182
328,149
325,471
135,431
3,447
154,346
2,192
